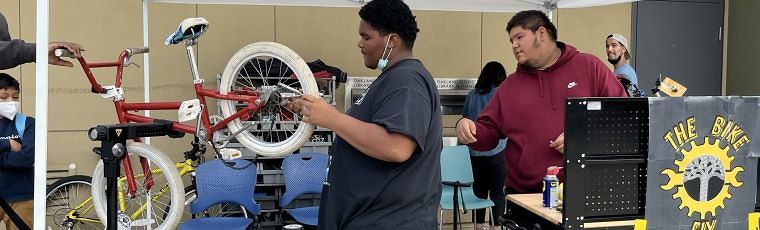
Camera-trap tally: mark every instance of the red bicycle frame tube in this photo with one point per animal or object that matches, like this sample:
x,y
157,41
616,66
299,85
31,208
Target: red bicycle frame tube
x,y
126,112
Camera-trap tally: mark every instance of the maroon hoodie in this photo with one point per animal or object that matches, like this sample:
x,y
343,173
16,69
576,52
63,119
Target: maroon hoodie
x,y
529,109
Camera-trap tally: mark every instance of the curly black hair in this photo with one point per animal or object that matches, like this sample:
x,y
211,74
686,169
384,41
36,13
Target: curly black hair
x,y
391,16
532,20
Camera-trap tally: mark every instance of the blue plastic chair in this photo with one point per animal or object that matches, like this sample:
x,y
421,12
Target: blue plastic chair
x,y
456,166
217,183
304,174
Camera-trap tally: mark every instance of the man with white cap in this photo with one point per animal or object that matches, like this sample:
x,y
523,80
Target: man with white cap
x,y
619,55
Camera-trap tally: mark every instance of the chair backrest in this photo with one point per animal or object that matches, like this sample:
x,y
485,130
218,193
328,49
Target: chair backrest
x,y
304,174
455,164
217,183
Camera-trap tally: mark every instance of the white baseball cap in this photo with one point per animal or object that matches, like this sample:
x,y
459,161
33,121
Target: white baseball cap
x,y
623,41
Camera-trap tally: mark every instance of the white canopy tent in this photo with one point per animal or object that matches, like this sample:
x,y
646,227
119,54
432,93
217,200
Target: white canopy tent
x,y
41,84
444,5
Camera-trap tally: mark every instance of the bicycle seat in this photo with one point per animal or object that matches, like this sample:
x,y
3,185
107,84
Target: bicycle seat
x,y
190,28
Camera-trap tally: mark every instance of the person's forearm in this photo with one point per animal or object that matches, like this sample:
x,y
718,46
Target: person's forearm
x,y
373,140
15,52
5,145
487,137
23,159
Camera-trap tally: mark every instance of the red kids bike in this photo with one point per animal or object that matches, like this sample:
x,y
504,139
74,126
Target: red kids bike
x,y
254,87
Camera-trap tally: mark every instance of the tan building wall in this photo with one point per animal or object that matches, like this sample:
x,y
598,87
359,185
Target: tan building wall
x,y
451,44
742,69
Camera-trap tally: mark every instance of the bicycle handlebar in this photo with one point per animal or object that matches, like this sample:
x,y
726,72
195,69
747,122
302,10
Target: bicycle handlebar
x,y
64,53
130,52
140,50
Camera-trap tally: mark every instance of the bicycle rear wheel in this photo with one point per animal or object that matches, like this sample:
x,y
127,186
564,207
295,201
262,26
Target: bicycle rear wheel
x,y
166,195
69,194
273,71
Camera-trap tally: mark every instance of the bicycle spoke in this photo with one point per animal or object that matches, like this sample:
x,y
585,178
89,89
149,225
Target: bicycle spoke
x,y
68,193
269,67
282,73
292,84
247,77
291,111
294,120
158,206
263,78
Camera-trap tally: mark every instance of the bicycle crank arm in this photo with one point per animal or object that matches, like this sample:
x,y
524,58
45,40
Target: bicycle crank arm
x,y
229,137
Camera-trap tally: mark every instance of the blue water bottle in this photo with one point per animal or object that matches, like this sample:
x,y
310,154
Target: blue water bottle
x,y
551,187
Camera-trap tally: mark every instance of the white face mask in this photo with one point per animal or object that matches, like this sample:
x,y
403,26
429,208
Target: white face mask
x,y
8,109
384,61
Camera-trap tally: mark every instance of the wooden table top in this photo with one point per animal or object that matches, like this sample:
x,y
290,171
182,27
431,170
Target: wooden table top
x,y
534,203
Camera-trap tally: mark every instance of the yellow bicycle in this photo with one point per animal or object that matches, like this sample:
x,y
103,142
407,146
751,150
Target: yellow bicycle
x,y
70,202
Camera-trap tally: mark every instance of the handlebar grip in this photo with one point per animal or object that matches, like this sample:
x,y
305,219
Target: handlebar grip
x,y
64,53
140,50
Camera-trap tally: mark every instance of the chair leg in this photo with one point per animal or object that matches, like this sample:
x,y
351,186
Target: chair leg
x,y
474,219
490,217
440,219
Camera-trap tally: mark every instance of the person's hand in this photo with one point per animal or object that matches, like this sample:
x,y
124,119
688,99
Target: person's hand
x,y
316,111
559,143
74,48
290,105
15,146
466,131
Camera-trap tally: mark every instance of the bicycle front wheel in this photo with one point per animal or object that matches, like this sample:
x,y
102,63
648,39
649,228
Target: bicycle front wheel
x,y
68,205
159,206
274,72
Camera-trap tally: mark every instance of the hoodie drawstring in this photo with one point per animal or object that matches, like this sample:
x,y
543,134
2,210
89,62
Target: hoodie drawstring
x,y
551,94
540,84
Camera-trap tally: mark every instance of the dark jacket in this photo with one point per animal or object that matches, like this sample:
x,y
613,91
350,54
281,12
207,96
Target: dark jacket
x,y
16,168
13,52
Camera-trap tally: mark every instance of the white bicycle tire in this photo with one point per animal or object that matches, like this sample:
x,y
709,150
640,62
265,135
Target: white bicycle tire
x,y
228,108
158,160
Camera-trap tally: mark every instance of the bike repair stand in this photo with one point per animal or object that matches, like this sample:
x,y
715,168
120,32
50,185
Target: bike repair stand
x,y
113,141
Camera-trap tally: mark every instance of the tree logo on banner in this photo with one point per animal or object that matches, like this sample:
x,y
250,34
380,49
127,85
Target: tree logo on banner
x,y
704,176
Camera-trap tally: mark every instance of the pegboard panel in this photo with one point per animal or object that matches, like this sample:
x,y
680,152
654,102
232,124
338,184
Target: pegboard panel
x,y
606,147
617,131
613,190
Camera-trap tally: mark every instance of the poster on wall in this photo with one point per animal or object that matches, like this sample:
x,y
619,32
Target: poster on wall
x,y
702,167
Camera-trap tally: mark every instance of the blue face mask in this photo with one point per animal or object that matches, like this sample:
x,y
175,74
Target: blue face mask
x,y
384,59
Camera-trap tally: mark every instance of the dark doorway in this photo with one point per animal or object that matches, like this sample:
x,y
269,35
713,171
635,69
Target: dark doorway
x,y
679,39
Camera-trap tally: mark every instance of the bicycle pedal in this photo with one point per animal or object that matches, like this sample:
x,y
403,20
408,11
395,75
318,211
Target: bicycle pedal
x,y
230,154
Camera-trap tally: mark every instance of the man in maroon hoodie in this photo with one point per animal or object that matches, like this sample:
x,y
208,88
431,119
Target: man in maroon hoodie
x,y
529,107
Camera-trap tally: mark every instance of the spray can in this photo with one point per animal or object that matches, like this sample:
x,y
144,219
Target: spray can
x,y
551,187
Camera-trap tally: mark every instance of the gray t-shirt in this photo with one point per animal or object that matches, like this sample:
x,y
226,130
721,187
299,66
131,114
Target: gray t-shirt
x,y
628,71
366,193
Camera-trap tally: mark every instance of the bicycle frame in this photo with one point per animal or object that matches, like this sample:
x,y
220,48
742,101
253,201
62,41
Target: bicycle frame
x,y
183,167
123,108
127,112
86,206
